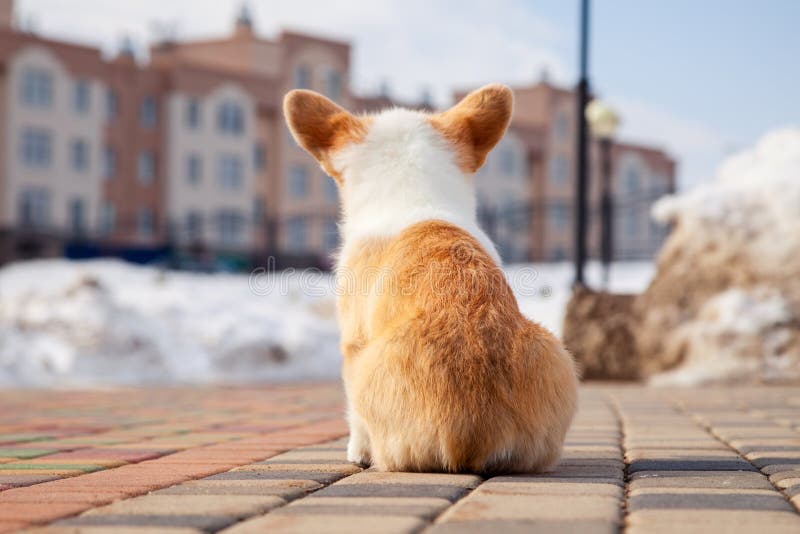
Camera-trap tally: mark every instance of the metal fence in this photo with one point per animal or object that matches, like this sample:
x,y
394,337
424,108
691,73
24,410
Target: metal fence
x,y
523,231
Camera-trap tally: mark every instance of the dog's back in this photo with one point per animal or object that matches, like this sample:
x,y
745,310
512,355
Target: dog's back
x,y
447,374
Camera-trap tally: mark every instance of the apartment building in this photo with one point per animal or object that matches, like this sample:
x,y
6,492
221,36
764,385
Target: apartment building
x,y
526,189
187,157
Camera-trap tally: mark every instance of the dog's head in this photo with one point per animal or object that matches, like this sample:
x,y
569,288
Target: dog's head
x,y
463,135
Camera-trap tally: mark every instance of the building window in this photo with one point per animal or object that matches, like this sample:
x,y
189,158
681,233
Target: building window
x,y
145,222
632,223
258,211
108,218
37,149
37,88
193,114
230,226
330,188
507,161
79,154
230,118
146,168
77,216
148,112
333,84
302,77
297,233
298,181
559,215
194,225
558,254
34,207
330,235
632,181
259,156
562,126
109,163
112,105
230,172
194,169
559,172
81,97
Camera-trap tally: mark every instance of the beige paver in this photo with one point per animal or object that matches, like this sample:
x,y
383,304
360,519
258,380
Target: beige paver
x,y
239,460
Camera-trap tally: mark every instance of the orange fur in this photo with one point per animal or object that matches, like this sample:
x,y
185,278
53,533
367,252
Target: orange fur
x,y
442,371
322,127
440,364
476,124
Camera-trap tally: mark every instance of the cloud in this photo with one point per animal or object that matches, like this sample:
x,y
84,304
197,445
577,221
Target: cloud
x,y
411,44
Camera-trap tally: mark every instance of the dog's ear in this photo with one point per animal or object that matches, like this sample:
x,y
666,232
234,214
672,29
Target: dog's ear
x,y
476,124
319,125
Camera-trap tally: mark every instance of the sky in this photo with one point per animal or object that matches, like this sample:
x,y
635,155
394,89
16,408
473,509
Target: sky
x,y
700,79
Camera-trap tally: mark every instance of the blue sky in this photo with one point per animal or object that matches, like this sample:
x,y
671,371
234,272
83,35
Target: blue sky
x,y
728,67
699,78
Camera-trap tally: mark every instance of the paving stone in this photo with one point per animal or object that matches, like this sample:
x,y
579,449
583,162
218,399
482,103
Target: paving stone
x,y
708,501
521,526
437,479
24,452
426,508
217,505
24,480
214,455
442,491
719,520
44,497
286,489
38,513
342,468
669,527
320,456
699,479
161,521
534,507
12,526
534,487
779,468
329,524
112,530
690,465
316,476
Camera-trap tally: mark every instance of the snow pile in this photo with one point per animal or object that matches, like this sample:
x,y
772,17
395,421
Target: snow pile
x,y
742,324
725,301
756,196
107,322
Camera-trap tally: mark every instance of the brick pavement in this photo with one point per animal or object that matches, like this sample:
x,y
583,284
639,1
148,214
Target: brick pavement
x,y
272,459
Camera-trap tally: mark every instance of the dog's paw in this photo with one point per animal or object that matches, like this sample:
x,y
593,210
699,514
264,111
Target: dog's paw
x,y
358,455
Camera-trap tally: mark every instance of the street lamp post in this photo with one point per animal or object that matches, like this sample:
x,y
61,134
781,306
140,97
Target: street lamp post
x,y
582,168
604,122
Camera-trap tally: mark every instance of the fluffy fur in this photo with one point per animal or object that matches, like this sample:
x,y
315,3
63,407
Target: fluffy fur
x,y
442,371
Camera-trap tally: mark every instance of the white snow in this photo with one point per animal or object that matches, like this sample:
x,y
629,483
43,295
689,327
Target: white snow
x,y
105,322
751,211
731,329
756,191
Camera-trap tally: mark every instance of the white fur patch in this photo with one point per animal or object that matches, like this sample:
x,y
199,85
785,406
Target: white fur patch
x,y
404,173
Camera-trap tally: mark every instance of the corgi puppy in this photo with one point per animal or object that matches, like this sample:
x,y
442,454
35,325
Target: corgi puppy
x,y
441,370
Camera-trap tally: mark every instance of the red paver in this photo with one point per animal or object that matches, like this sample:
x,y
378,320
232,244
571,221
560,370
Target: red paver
x,y
251,459
144,440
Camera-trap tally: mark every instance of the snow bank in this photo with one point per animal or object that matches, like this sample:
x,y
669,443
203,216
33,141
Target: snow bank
x,y
725,302
107,322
